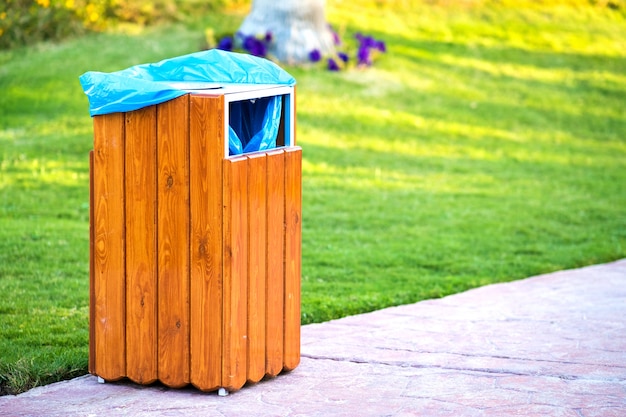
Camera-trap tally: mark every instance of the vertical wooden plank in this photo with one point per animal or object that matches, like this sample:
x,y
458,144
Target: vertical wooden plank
x,y
173,241
109,274
206,160
257,256
235,273
141,250
275,261
293,242
92,293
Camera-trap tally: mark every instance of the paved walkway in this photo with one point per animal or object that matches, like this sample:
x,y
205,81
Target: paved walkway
x,y
552,345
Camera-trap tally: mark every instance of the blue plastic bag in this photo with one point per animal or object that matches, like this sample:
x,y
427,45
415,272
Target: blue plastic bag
x,y
147,84
254,124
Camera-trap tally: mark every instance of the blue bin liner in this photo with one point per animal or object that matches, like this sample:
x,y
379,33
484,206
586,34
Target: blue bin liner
x,y
254,124
147,84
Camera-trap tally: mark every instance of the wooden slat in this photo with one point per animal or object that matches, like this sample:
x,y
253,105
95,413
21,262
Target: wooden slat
x,y
293,238
173,241
235,216
257,257
141,273
108,238
92,293
275,261
206,156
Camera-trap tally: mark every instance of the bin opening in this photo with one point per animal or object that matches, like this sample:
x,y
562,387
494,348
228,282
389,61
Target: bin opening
x,y
254,124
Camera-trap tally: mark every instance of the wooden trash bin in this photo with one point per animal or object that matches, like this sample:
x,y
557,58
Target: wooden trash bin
x,y
195,256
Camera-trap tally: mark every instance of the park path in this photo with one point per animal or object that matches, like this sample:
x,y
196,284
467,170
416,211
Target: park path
x,y
551,345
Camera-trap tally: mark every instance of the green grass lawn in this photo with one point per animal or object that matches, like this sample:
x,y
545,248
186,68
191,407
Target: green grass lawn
x,y
487,145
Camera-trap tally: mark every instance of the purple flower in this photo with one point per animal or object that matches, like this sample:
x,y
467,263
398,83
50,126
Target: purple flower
x,y
315,55
365,41
366,45
261,50
226,43
369,42
249,43
343,56
363,56
332,65
268,37
254,46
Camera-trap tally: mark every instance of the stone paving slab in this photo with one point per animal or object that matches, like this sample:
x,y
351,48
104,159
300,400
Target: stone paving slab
x,y
552,345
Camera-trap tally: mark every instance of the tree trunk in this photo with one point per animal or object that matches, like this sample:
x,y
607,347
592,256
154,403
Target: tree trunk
x,y
298,27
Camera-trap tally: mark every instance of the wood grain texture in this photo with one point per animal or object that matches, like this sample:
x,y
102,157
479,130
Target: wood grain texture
x,y
293,254
257,259
235,216
173,241
206,156
92,292
275,286
108,241
141,245
195,257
